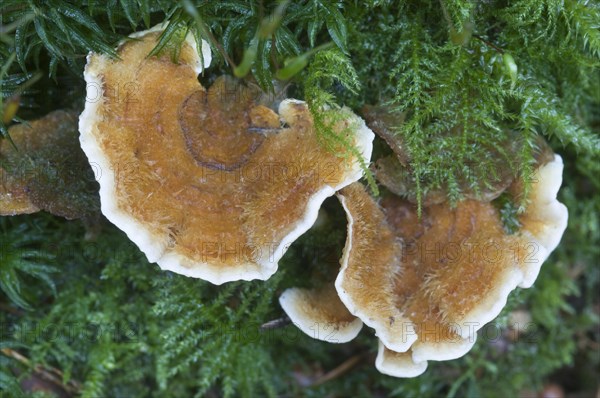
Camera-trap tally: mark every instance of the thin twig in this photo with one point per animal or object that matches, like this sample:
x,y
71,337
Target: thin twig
x,y
501,51
50,374
191,9
275,324
7,308
221,49
339,370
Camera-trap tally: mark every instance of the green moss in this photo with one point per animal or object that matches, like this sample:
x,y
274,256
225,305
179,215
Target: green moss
x,y
123,328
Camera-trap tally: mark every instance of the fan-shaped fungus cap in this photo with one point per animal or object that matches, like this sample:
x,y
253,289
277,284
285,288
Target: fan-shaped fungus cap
x,y
320,314
369,266
318,310
398,364
209,184
395,173
46,170
457,267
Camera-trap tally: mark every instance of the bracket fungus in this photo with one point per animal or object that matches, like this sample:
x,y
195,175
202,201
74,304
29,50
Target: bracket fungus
x,y
45,169
394,171
320,314
211,183
428,285
13,197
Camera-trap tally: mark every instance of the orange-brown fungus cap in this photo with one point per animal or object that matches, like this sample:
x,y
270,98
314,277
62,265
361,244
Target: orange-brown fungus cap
x,y
456,269
369,266
398,364
208,183
395,173
318,310
45,169
320,314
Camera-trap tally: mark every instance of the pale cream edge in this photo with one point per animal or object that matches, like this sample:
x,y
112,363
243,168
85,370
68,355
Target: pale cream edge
x,y
364,144
149,244
398,367
551,209
105,174
466,329
290,301
443,350
88,120
490,306
191,41
407,335
269,258
549,181
154,246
